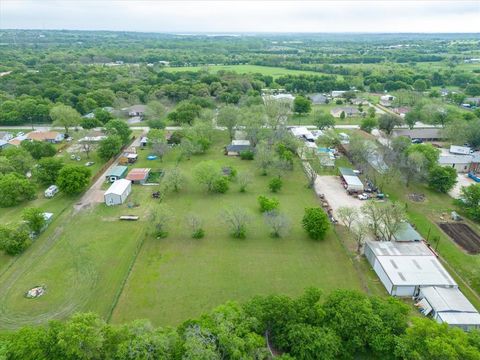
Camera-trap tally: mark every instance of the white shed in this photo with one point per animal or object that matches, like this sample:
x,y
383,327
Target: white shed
x,y
449,306
353,183
118,192
404,268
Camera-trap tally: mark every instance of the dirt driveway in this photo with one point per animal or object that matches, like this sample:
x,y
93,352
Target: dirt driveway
x,y
335,194
462,180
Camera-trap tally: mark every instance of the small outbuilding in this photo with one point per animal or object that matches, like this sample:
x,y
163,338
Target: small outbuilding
x,y
448,306
138,175
406,232
237,146
351,182
118,192
116,173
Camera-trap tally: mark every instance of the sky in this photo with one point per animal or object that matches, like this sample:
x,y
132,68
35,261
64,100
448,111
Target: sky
x,y
243,16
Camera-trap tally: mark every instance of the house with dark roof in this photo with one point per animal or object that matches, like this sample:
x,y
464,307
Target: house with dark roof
x,y
349,111
425,134
318,99
237,146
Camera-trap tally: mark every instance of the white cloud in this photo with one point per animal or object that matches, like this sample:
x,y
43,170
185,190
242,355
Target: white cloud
x,y
243,16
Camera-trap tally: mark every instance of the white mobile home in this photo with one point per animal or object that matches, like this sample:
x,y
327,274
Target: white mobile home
x,y
448,306
404,268
118,192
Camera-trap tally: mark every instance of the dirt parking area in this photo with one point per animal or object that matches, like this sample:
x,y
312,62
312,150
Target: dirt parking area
x,y
462,180
463,235
335,194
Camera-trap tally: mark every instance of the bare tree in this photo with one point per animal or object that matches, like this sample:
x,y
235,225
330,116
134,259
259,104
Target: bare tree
x,y
277,112
160,219
160,148
196,225
264,157
244,179
87,148
311,174
278,223
384,219
347,216
237,221
174,179
359,232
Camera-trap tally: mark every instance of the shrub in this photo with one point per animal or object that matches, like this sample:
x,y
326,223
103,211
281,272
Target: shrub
x,y
275,184
267,204
156,124
220,185
316,223
247,155
14,239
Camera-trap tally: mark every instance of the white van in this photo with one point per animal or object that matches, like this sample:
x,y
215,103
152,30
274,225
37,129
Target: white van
x,y
51,191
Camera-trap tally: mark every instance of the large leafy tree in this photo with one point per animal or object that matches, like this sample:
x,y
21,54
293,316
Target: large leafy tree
x,y
47,170
442,178
119,128
387,122
470,200
39,149
229,116
73,179
302,105
14,189
34,219
109,147
316,223
65,116
19,159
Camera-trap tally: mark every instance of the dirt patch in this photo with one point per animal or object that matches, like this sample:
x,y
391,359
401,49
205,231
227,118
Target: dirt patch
x,y
415,197
463,235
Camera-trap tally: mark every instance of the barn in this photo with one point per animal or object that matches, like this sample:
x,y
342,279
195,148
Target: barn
x,y
406,267
448,306
118,192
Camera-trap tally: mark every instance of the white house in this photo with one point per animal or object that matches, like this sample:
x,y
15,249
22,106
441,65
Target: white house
x,y
118,192
404,268
461,163
450,306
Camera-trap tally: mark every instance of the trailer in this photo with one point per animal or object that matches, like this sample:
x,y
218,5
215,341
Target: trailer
x,y
474,177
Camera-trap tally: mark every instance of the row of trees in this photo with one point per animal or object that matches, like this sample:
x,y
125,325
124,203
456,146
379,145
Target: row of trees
x,y
342,325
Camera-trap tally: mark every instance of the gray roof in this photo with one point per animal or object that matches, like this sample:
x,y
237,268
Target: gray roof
x,y
445,299
346,171
318,98
238,148
117,171
420,133
407,233
393,248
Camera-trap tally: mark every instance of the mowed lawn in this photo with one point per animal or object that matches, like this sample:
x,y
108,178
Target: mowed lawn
x,y
275,72
178,277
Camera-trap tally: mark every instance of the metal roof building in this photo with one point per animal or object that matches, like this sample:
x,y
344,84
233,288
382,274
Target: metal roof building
x,y
404,268
449,306
407,233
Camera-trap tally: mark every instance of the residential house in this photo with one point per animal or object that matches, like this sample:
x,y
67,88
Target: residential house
x,y
138,175
402,110
53,137
318,99
386,100
348,110
359,102
472,100
338,93
237,146
425,134
461,163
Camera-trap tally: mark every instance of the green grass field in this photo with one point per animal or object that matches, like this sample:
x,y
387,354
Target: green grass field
x,y
275,72
84,258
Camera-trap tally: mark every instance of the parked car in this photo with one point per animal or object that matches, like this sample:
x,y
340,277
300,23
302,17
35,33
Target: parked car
x,y
417,141
89,163
363,196
51,191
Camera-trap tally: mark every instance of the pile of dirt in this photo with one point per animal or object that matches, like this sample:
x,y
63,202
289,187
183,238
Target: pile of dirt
x,y
416,197
463,235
